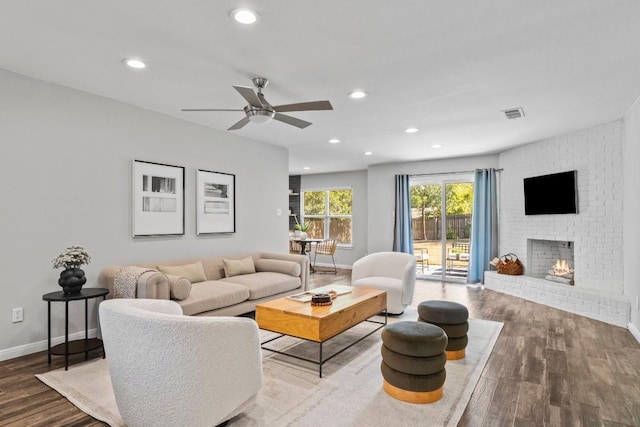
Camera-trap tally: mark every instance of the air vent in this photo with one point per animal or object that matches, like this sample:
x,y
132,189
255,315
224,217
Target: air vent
x,y
514,113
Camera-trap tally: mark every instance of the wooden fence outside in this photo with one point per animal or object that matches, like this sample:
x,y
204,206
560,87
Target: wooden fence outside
x,y
339,228
430,228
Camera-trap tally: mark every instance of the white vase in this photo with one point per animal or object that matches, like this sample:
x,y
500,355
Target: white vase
x,y
303,235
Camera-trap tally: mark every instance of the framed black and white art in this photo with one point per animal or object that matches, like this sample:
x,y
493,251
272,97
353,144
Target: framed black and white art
x,y
158,199
215,202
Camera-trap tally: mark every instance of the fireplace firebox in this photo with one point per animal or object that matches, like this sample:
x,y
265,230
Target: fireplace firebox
x,y
551,260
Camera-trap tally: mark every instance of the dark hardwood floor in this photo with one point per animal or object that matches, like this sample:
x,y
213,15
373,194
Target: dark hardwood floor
x,y
548,367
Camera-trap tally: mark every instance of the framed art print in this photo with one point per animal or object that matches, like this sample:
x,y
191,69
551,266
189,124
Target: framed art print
x,y
215,202
158,199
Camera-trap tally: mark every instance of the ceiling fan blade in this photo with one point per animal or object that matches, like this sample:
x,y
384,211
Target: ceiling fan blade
x,y
207,109
292,121
304,106
248,94
240,124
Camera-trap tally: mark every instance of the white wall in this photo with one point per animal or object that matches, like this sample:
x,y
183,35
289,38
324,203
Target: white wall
x,y
65,170
631,213
381,189
596,153
357,180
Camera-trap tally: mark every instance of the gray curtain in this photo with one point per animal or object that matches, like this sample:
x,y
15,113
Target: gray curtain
x,y
402,232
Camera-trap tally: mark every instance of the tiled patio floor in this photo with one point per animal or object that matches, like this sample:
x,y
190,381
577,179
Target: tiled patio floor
x,y
434,249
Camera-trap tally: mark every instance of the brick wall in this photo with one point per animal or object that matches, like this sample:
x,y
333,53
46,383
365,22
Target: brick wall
x,y
596,231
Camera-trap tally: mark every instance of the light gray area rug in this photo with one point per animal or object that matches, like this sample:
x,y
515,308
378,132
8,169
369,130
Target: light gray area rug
x,y
349,394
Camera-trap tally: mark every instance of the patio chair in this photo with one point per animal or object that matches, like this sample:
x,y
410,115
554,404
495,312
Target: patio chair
x,y
457,254
326,247
423,258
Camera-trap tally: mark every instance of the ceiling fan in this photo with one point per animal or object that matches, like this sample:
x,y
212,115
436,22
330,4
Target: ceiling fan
x,y
260,111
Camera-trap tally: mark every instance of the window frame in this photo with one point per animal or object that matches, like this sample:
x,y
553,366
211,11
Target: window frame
x,y
327,216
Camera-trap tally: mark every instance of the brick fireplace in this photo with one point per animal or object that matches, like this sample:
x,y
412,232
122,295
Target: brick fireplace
x,y
590,240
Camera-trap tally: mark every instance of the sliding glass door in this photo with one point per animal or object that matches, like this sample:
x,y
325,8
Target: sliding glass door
x,y
441,214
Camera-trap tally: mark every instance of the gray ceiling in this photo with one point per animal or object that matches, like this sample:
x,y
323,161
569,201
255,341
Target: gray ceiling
x,y
445,67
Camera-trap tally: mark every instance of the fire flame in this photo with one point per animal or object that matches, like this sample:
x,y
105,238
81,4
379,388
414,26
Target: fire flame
x,y
561,267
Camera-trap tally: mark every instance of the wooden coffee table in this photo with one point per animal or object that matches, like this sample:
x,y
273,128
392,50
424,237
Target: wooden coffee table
x,y
321,323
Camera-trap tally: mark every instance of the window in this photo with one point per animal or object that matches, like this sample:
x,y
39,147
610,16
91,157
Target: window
x,y
328,213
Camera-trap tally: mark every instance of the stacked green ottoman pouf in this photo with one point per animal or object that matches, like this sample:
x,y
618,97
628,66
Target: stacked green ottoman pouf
x,y
453,318
413,359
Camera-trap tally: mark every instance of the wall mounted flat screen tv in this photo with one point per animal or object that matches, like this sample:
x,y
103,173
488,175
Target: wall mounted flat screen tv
x,y
551,194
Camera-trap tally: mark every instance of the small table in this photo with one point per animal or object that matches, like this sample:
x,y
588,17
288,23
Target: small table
x,y
75,346
321,323
303,244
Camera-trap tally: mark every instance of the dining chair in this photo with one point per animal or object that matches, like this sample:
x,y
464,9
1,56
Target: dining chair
x,y
326,247
295,247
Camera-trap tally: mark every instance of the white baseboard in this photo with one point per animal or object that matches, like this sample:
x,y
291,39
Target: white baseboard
x,y
634,331
23,350
340,266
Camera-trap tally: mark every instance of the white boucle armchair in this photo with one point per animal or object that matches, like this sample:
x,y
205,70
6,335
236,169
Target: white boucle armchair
x,y
394,272
168,369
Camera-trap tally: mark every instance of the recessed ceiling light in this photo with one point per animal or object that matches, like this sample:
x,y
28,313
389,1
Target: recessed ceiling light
x,y
357,94
411,130
134,63
436,146
368,153
306,168
245,16
334,141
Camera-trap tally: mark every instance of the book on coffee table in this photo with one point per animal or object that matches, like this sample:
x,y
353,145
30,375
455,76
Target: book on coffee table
x,y
302,297
306,296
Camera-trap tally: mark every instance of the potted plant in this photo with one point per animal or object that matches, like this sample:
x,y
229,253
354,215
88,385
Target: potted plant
x,y
302,229
72,278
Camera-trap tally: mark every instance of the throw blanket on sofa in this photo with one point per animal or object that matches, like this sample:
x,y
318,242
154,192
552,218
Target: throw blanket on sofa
x,y
125,281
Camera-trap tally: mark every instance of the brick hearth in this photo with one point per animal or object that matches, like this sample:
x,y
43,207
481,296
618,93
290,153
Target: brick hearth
x,y
609,308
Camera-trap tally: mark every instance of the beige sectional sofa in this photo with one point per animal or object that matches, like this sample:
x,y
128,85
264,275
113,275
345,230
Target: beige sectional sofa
x,y
225,286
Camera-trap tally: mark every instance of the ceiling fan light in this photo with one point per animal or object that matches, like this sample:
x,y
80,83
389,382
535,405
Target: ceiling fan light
x,y
260,116
245,16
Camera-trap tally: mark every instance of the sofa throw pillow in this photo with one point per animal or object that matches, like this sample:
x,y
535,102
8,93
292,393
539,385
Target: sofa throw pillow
x,y
194,273
179,287
279,266
236,267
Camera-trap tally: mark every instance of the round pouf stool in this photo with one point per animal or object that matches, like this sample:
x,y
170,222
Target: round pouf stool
x,y
453,318
413,359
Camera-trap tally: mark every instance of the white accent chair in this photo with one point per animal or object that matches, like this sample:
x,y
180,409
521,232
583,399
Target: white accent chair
x,y
168,369
394,272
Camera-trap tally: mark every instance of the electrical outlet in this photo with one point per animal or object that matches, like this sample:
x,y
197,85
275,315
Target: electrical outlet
x,y
17,315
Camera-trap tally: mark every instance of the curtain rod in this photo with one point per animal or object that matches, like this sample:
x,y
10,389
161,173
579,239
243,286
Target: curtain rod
x,y
448,173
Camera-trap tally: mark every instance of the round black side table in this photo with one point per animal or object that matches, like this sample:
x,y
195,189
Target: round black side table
x,y
76,346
